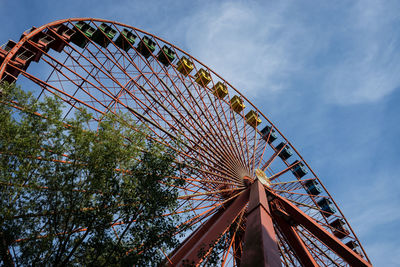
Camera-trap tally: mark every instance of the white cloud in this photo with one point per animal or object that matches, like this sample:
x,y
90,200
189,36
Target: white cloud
x,y
247,44
368,70
261,47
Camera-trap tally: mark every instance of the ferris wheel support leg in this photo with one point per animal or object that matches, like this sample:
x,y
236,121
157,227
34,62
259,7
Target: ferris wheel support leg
x,y
260,244
206,235
321,233
303,255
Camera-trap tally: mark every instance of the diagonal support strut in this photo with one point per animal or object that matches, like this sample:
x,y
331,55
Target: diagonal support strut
x,y
208,232
318,231
294,240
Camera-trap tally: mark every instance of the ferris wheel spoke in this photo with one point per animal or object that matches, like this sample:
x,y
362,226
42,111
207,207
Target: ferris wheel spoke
x,y
107,74
233,140
213,144
178,121
196,219
206,182
245,141
222,120
301,204
264,143
273,177
291,183
284,257
53,71
207,109
207,172
93,65
205,214
108,93
237,249
240,140
288,185
210,193
296,243
55,89
318,248
288,254
204,150
292,187
210,130
233,238
297,194
205,131
210,230
185,205
317,230
106,53
255,148
122,90
226,248
222,153
203,195
199,207
272,158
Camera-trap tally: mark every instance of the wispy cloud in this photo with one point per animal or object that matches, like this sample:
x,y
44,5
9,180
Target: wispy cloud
x,y
312,63
321,69
249,44
368,68
261,47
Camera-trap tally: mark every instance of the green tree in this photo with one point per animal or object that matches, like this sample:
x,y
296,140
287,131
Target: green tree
x,y
64,186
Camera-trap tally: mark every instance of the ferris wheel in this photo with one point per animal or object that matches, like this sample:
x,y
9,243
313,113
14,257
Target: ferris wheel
x,y
247,184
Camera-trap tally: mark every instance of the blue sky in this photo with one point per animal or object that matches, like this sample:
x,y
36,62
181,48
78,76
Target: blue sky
x,y
325,72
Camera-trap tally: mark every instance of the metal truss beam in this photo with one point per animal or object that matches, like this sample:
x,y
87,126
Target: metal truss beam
x,y
322,234
260,244
208,233
295,242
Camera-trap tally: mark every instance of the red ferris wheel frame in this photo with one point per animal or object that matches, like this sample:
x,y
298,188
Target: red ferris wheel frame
x,y
276,229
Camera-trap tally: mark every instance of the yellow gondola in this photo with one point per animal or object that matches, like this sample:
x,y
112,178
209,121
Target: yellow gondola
x,y
203,77
237,104
185,66
220,90
252,119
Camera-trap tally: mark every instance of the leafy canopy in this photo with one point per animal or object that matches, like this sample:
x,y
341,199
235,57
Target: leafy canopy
x,y
70,195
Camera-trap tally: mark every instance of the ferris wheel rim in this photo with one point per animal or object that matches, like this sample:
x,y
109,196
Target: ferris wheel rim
x,y
40,29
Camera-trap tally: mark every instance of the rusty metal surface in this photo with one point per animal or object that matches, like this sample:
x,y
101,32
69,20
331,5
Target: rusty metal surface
x,y
260,244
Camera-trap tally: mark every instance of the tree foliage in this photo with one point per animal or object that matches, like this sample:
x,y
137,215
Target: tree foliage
x,y
70,195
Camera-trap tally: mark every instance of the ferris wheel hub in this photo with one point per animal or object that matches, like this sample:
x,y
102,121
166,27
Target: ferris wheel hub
x,y
101,68
262,177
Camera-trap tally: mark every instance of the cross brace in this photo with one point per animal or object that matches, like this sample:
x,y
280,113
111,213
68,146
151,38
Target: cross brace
x,y
321,233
